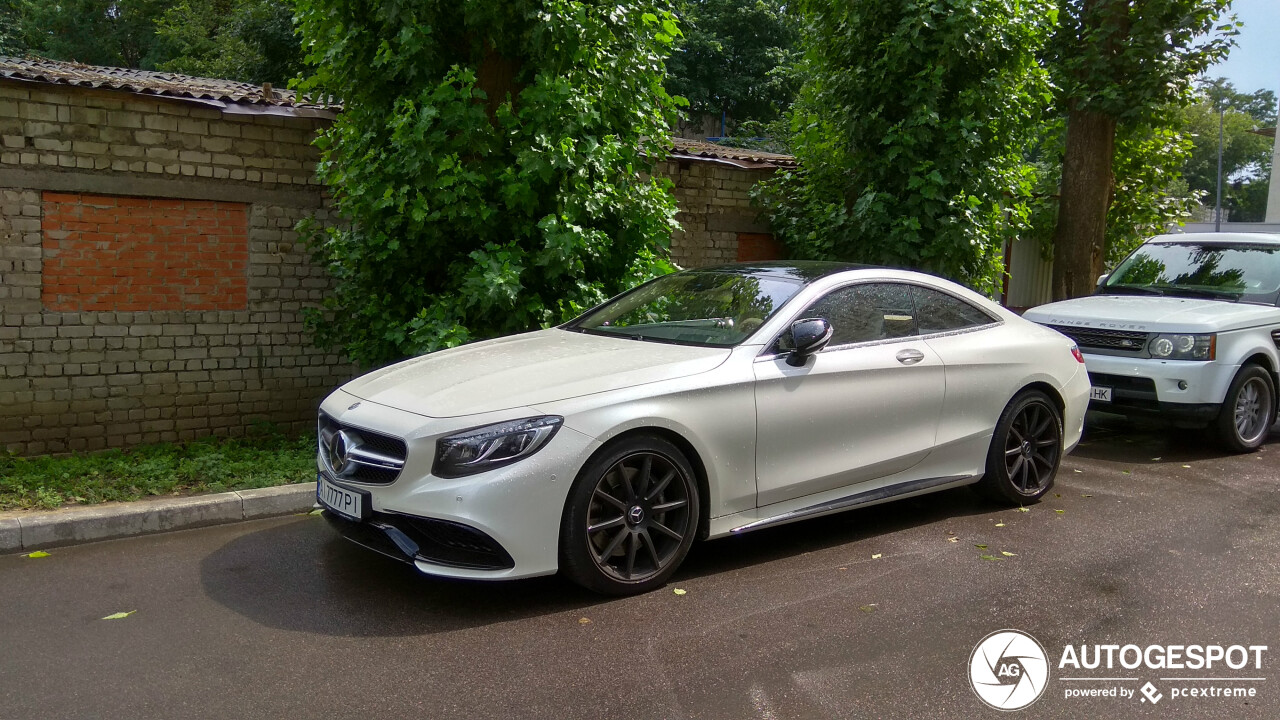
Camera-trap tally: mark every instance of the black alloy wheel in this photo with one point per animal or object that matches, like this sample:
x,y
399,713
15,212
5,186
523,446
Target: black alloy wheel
x,y
631,518
1026,450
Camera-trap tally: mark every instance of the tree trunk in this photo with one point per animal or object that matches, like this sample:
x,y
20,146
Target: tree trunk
x,y
1079,240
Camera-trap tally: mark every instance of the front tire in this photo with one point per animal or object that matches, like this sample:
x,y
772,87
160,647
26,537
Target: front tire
x,y
631,517
1248,411
1025,452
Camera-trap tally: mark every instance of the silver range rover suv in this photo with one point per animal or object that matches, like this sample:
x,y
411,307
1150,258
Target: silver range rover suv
x,y
1186,328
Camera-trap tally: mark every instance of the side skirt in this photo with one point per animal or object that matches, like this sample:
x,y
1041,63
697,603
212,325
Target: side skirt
x,y
868,497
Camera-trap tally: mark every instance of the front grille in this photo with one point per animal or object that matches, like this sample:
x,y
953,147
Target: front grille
x,y
370,458
1117,341
436,541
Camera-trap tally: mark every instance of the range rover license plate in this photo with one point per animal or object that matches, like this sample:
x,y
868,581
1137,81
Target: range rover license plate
x,y
350,504
1100,394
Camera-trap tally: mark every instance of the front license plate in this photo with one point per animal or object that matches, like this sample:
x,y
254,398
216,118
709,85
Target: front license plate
x,y
1101,394
350,504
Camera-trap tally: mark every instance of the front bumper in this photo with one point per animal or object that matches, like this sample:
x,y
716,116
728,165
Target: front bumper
x,y
1174,390
500,524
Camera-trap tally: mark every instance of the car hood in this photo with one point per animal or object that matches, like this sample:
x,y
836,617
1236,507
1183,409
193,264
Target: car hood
x,y
1153,314
525,370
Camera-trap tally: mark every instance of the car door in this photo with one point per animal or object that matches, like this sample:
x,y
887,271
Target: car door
x,y
980,380
865,407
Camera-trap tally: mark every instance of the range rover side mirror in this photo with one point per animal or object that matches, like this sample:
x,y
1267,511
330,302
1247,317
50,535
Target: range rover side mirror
x,y
809,336
1102,279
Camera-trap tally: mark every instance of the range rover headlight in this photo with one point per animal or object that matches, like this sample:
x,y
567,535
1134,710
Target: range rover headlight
x,y
1184,347
492,446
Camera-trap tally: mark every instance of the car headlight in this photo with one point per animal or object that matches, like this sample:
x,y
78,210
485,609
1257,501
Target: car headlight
x,y
492,446
1184,347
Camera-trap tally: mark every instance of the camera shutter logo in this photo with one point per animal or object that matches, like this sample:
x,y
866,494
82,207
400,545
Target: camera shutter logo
x,y
1008,670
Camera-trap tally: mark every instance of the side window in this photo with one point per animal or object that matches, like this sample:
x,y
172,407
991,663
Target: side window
x,y
939,312
862,313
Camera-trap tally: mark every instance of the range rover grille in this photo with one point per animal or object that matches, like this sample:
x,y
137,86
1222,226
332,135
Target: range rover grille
x,y
360,455
1121,341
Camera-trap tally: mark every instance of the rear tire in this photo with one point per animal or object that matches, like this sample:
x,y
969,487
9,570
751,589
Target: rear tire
x,y
631,517
1248,411
1026,449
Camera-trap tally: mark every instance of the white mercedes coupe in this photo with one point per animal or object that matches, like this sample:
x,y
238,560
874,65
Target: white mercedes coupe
x,y
701,404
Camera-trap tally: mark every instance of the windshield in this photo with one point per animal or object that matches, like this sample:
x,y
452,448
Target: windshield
x,y
1229,272
719,309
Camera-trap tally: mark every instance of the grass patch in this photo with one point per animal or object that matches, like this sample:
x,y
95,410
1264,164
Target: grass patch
x,y
265,459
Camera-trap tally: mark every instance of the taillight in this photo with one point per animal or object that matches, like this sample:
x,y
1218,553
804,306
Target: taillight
x,y
1075,350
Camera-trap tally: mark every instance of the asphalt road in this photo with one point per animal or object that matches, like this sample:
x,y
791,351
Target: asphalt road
x,y
871,613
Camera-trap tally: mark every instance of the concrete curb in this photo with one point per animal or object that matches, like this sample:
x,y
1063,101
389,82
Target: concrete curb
x,y
71,526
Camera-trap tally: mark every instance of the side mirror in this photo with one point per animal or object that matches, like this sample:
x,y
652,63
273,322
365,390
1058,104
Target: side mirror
x,y
809,336
1103,278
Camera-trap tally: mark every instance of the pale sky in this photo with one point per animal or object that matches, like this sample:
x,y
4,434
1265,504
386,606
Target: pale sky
x,y
1254,64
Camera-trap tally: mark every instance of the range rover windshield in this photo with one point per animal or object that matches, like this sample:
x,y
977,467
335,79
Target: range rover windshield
x,y
719,309
1235,272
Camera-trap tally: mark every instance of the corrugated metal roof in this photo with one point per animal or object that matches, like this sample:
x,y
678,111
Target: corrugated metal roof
x,y
244,98
227,94
682,148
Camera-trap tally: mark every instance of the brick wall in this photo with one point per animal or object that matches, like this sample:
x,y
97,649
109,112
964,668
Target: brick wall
x,y
151,282
715,208
103,252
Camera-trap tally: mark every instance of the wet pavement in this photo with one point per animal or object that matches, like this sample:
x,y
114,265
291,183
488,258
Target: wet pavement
x,y
1150,537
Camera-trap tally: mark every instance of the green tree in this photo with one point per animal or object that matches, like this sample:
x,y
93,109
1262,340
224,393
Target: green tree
x,y
911,130
1117,64
248,40
119,33
1246,156
737,58
12,42
490,160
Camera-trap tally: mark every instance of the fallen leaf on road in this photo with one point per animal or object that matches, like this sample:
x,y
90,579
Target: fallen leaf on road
x,y
1078,471
119,615
1125,472
844,568
679,591
868,608
1187,467
1155,459
317,511
1085,495
38,554
980,547
1024,509
1006,553
876,556
999,524
1057,494
584,621
1060,511
953,539
989,557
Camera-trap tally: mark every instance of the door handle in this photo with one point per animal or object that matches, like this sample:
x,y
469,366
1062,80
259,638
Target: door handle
x,y
909,356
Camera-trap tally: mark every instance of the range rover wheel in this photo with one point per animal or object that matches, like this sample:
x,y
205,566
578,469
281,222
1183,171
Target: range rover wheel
x,y
1248,410
1026,449
631,516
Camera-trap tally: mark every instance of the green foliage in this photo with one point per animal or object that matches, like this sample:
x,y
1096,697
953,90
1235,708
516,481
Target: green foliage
x,y
911,130
490,161
737,57
265,459
12,42
247,40
1130,59
119,33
